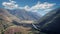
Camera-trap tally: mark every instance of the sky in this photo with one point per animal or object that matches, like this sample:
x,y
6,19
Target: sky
x,y
39,6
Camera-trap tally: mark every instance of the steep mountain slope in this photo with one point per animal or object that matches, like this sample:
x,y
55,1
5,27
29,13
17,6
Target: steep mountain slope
x,y
50,22
52,25
4,14
49,16
5,21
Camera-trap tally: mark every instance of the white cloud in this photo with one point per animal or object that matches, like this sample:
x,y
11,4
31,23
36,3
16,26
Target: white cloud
x,y
44,5
35,8
10,5
39,6
27,8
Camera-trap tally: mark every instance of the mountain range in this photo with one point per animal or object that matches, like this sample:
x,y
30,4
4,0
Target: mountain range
x,y
24,15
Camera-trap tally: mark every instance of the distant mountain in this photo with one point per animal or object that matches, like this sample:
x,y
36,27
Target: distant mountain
x,y
25,15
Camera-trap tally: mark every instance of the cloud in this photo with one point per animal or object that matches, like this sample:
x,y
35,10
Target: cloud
x,y
35,8
10,5
44,5
27,8
40,6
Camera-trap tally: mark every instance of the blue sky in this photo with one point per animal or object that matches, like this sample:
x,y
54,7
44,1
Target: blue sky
x,y
39,6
